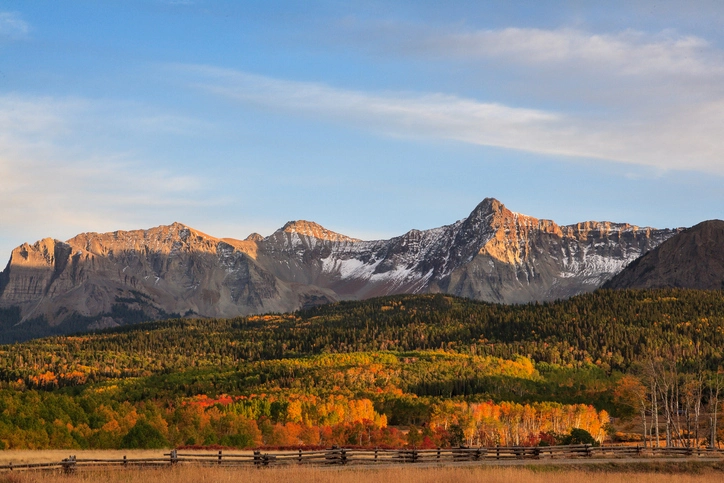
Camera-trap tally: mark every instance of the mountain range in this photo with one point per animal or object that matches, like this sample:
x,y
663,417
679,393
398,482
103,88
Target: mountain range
x,y
99,280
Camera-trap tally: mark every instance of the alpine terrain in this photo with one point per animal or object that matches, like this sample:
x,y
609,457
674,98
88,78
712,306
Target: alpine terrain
x,y
104,280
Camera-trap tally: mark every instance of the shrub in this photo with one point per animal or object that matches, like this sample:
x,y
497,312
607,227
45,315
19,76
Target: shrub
x,y
144,436
579,436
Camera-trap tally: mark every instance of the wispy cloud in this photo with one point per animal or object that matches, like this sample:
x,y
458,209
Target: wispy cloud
x,y
12,26
406,113
51,170
627,53
683,139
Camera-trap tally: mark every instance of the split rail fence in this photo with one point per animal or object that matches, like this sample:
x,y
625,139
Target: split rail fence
x,y
344,456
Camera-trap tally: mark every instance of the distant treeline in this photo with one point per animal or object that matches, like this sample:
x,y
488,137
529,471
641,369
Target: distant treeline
x,y
612,329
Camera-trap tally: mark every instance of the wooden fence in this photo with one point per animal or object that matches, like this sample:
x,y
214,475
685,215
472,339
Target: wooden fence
x,y
345,456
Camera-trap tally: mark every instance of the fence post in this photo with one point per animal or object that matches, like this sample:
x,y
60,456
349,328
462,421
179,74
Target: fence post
x,y
414,455
344,456
332,455
69,465
497,452
174,457
257,458
438,452
219,456
125,460
10,465
300,456
375,454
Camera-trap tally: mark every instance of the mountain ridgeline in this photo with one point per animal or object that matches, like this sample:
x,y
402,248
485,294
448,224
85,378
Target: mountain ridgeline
x,y
97,281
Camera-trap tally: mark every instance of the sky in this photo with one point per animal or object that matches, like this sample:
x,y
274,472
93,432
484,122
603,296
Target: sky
x,y
370,118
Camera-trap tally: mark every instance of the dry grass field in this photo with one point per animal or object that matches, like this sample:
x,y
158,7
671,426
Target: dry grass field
x,y
476,474
18,457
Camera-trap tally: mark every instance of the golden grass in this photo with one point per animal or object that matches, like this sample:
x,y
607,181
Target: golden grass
x,y
20,456
471,474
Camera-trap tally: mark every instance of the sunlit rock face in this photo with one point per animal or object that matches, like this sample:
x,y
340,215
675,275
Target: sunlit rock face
x,y
494,254
159,272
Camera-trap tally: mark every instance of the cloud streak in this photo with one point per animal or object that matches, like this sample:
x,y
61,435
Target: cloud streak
x,y
12,26
681,139
627,53
50,170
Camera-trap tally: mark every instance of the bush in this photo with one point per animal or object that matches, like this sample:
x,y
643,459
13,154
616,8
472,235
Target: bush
x,y
549,439
144,436
238,441
579,436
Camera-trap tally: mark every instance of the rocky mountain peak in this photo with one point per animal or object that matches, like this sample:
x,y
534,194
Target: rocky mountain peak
x,y
254,237
161,239
487,207
494,230
41,253
496,215
314,230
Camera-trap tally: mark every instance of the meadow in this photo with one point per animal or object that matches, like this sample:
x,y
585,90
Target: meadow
x,y
477,474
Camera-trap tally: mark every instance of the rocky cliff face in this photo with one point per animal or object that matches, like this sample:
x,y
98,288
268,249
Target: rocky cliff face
x,y
692,259
148,274
101,280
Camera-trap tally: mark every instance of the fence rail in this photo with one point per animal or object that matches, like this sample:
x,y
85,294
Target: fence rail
x,y
345,456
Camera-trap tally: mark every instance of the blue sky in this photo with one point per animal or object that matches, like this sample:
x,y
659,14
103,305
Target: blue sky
x,y
368,117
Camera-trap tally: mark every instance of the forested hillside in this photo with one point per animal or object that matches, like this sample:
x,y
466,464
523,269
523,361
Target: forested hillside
x,y
612,329
419,370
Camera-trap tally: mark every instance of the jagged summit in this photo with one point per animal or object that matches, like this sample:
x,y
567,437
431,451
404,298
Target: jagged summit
x,y
487,210
41,253
254,237
488,205
309,228
99,280
161,239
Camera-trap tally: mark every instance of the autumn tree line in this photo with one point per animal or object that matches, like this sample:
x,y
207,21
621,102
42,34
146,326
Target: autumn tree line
x,y
424,371
345,399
